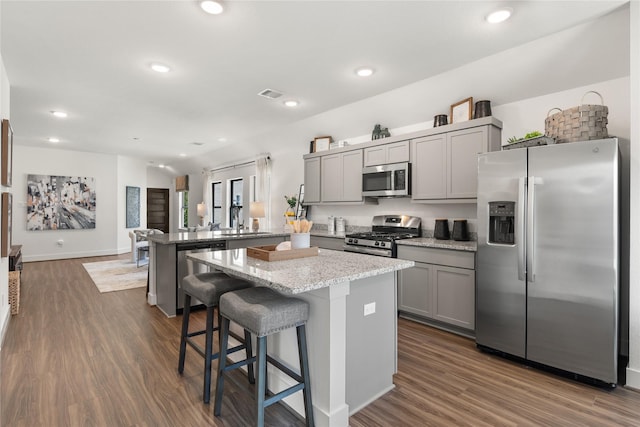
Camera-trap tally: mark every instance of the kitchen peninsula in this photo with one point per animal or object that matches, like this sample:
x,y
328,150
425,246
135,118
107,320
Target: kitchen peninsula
x,y
352,328
168,262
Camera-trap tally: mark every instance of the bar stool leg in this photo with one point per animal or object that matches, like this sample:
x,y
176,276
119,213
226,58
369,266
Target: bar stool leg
x,y
222,362
185,331
208,350
249,353
261,387
304,371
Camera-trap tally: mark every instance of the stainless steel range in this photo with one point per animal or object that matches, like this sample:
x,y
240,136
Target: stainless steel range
x,y
385,231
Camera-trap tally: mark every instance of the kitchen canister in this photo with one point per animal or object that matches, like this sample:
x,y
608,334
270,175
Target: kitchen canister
x,y
441,230
460,231
331,225
482,109
300,240
340,225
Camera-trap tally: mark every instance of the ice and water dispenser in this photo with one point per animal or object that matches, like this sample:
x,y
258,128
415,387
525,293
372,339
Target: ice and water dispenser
x,y
501,222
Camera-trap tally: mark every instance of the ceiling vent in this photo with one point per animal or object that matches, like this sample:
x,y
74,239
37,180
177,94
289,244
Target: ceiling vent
x,y
197,143
270,93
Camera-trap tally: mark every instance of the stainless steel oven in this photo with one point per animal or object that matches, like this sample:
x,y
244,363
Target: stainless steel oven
x,y
392,180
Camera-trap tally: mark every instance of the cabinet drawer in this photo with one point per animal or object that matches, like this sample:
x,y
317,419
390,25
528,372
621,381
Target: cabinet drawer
x,y
448,257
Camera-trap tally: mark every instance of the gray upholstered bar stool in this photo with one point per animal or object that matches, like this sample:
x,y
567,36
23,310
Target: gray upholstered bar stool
x,y
263,312
208,287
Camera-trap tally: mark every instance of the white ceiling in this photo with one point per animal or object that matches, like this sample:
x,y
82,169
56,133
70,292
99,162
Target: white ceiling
x,y
91,58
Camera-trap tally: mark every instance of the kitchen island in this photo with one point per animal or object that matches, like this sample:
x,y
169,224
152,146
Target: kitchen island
x,y
168,262
352,328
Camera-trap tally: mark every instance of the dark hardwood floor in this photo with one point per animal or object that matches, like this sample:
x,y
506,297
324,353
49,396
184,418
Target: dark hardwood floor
x,y
75,357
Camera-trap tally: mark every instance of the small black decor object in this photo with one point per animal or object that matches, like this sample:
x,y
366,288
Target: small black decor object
x,y
379,132
376,132
310,146
439,120
460,231
482,109
441,231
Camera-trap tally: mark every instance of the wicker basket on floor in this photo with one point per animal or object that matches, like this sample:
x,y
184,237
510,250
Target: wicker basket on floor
x,y
14,291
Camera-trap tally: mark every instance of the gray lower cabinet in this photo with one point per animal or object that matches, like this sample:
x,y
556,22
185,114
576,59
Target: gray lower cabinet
x,y
327,242
441,286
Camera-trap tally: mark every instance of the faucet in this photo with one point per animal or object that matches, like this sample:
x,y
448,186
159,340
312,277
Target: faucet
x,y
235,216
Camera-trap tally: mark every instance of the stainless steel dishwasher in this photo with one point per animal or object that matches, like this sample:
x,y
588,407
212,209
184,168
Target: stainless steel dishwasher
x,y
186,267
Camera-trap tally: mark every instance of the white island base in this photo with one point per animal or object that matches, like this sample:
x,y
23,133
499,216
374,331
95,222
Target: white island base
x,y
352,356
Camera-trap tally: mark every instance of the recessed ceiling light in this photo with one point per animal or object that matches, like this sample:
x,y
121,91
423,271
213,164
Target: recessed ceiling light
x,y
160,68
498,16
53,140
161,166
212,7
364,71
222,139
291,103
182,155
60,114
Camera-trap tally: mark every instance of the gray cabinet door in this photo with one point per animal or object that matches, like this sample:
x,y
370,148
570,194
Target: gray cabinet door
x,y
375,155
463,147
454,296
415,290
312,180
398,152
352,176
328,242
429,167
331,178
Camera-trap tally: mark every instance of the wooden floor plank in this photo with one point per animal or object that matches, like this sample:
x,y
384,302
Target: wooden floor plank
x,y
75,357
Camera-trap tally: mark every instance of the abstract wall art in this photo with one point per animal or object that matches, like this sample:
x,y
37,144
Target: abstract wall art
x,y
133,207
60,202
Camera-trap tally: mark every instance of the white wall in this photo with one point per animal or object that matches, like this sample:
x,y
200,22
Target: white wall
x,y
43,245
133,173
5,309
633,371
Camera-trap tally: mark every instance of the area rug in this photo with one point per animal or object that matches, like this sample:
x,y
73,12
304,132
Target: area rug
x,y
117,275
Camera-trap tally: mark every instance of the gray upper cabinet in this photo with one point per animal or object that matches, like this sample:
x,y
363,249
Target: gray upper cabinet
x,y
429,172
445,165
389,153
463,147
341,177
312,180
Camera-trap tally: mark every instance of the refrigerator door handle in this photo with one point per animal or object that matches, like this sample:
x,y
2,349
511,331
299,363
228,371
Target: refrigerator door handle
x,y
520,227
531,200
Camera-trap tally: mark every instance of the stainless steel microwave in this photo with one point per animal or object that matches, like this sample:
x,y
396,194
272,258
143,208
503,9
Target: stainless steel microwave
x,y
392,180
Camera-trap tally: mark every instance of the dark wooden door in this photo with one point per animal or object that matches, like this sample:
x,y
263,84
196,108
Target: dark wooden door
x,y
158,208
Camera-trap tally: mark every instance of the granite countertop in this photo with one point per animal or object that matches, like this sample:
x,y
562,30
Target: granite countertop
x,y
430,242
303,274
206,236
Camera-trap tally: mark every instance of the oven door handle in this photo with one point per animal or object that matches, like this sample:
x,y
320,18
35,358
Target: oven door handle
x,y
368,251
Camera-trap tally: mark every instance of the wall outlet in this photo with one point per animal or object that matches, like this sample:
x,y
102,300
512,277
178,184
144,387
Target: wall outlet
x,y
369,308
60,242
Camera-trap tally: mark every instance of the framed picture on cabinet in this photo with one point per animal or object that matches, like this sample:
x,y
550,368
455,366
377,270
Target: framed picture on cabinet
x,y
461,111
321,143
7,153
5,224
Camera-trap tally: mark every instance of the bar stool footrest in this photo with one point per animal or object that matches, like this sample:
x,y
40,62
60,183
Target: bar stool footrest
x,y
281,395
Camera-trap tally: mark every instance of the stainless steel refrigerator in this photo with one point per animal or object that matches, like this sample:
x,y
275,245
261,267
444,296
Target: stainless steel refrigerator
x,y
547,260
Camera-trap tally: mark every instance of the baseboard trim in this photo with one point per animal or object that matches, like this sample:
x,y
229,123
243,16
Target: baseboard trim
x,y
633,379
5,326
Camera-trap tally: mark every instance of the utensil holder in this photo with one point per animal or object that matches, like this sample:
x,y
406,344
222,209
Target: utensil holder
x,y
441,230
300,240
